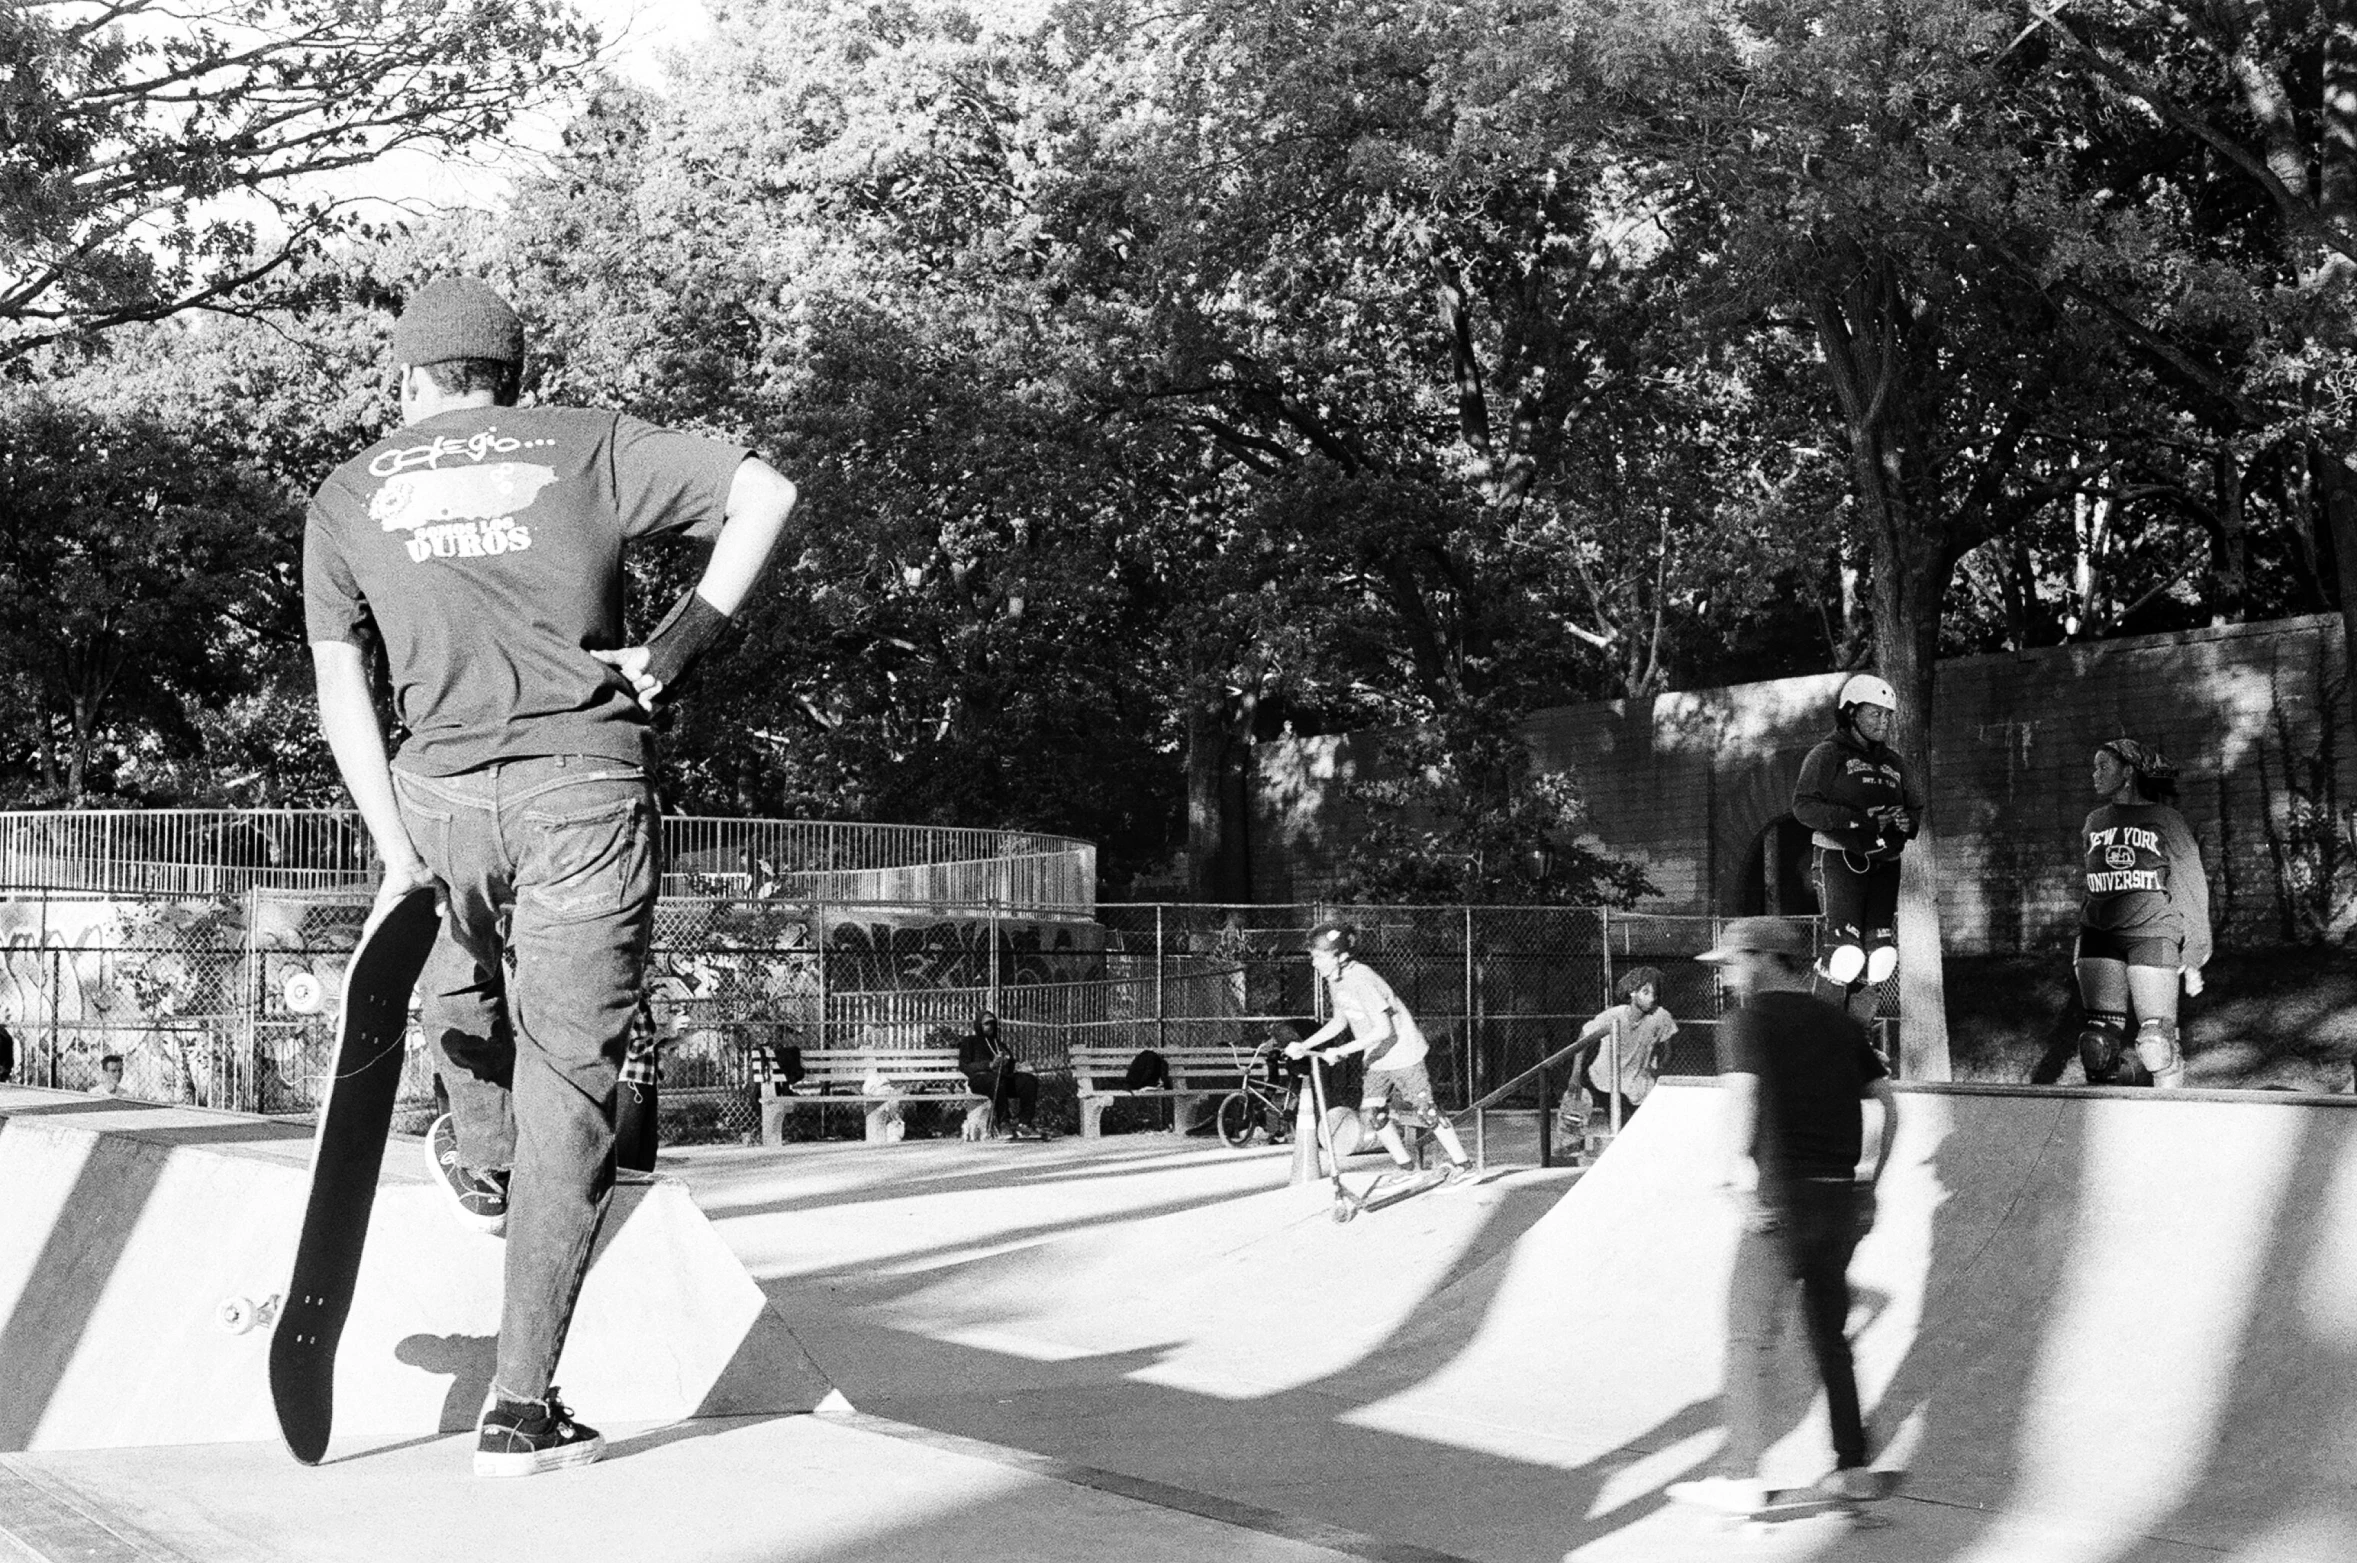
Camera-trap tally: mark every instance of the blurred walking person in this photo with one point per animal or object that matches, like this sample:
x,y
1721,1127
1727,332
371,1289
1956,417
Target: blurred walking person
x,y
1794,1070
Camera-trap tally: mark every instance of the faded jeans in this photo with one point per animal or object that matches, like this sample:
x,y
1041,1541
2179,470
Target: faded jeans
x,y
1811,1231
527,999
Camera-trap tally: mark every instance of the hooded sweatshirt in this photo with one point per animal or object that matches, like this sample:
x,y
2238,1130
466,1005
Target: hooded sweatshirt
x,y
1841,779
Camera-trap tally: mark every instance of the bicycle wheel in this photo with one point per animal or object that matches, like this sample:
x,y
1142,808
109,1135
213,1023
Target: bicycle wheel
x,y
1238,1113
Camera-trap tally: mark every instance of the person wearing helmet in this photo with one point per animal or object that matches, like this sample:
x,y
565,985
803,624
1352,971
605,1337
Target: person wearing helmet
x,y
1861,809
2144,919
1381,1028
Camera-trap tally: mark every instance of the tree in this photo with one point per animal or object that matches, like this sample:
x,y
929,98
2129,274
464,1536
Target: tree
x,y
818,247
2270,92
128,554
161,157
1469,448
1459,813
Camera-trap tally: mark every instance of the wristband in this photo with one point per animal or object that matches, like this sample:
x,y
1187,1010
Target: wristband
x,y
685,634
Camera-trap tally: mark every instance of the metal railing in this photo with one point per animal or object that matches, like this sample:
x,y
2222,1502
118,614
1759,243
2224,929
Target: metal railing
x,y
230,851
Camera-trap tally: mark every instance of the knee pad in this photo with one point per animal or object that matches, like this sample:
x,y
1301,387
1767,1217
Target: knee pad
x,y
1881,962
2101,1041
1844,964
1372,1120
2156,1046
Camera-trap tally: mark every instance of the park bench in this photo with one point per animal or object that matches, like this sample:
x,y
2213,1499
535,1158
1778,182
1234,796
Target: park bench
x,y
1196,1074
839,1077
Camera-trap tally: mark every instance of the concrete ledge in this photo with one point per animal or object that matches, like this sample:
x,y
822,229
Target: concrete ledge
x,y
130,1232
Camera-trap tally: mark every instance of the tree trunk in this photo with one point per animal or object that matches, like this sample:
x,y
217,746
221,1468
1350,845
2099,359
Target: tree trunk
x,y
2340,516
2229,544
1207,769
1910,582
1868,337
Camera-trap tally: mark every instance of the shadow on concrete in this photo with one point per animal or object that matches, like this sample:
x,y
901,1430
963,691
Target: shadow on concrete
x,y
1999,1254
470,1360
46,1322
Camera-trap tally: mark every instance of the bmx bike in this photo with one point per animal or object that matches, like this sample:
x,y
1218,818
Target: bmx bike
x,y
1264,1104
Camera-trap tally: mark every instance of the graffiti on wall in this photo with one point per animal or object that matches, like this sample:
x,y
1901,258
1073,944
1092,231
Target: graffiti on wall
x,y
871,952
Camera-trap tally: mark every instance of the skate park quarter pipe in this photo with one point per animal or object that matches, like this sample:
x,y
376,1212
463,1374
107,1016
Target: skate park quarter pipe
x,y
139,1244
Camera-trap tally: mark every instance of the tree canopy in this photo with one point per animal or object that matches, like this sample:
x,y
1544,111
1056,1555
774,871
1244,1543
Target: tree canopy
x,y
159,157
1165,379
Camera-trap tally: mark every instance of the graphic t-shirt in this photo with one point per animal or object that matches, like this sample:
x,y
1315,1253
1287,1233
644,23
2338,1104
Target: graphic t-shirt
x,y
1813,1063
1642,1037
485,547
1367,1002
2141,873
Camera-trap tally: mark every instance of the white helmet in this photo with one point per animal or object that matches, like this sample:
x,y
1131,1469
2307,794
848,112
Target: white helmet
x,y
1864,689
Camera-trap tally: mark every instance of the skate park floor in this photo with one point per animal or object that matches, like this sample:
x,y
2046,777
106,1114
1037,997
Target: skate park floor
x,y
1151,1347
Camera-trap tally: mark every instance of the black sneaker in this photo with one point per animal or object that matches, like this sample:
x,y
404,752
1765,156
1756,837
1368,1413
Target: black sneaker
x,y
526,1437
478,1200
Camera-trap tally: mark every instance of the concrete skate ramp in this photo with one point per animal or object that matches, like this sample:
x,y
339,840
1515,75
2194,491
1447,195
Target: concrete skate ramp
x,y
2104,1319
124,1229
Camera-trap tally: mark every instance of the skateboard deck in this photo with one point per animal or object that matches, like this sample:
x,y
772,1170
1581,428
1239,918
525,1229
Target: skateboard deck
x,y
1783,1504
635,1116
347,1153
638,1096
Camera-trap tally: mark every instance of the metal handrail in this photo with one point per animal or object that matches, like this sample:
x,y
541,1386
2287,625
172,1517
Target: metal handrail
x,y
1520,1080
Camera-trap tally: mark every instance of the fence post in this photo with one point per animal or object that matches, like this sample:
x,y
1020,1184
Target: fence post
x,y
1474,1071
818,928
1160,1029
1614,1069
248,1075
56,1000
1604,929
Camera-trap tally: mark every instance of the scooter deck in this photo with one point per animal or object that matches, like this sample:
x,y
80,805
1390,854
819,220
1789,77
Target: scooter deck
x,y
1386,1192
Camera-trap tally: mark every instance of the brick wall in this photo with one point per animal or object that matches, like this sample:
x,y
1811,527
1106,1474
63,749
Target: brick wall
x,y
1693,784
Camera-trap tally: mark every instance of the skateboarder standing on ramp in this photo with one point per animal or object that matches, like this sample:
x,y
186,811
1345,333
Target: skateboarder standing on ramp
x,y
2144,917
1794,1069
1380,1027
480,545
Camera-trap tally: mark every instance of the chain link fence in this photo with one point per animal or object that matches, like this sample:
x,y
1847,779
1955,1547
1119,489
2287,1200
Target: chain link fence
x,y
228,1001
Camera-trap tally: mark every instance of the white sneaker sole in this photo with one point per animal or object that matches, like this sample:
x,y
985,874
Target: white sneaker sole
x,y
538,1461
494,1226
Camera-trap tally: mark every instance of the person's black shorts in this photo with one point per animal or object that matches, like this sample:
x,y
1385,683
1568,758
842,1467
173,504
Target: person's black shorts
x,y
2130,947
1859,897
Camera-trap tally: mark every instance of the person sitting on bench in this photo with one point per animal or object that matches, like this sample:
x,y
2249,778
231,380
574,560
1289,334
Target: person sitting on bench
x,y
992,1072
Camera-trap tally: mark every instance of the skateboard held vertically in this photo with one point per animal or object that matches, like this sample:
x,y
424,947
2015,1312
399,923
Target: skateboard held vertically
x,y
347,1153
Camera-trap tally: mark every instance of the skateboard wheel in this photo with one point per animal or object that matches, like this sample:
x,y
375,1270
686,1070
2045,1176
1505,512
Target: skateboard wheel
x,y
304,993
235,1315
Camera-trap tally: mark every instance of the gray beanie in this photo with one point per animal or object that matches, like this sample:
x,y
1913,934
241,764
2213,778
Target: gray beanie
x,y
457,317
